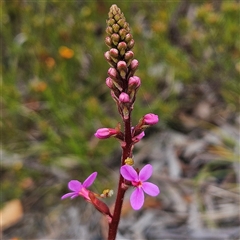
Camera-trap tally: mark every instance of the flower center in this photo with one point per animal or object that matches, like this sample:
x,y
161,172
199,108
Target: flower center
x,y
137,184
84,192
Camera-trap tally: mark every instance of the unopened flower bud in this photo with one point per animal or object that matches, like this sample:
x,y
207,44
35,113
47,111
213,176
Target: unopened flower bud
x,y
103,133
125,25
116,28
128,37
134,64
109,59
108,41
122,33
110,22
150,119
114,54
115,38
109,30
115,81
134,82
128,57
114,9
124,98
109,82
138,137
122,46
112,73
122,23
122,68
131,44
107,55
133,67
110,14
117,17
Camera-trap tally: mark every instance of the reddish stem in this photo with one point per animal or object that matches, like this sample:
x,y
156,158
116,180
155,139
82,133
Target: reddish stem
x,y
126,152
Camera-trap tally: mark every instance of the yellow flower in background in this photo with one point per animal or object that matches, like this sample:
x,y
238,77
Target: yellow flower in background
x,y
65,52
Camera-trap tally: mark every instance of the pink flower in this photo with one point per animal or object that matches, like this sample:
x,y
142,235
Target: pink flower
x,y
103,133
79,189
150,119
140,184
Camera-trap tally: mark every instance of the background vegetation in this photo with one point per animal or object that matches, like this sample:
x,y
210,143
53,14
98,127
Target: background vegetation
x,y
54,95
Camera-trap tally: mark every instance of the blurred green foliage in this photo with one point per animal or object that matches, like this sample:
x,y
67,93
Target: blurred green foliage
x,y
54,95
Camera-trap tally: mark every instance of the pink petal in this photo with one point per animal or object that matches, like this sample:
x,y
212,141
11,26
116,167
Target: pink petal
x,y
129,173
67,195
146,172
137,199
89,181
150,188
74,196
75,185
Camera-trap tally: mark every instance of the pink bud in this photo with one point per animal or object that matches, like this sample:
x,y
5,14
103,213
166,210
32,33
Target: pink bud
x,y
103,133
124,98
122,68
122,46
131,44
138,137
134,64
150,119
114,37
109,82
113,52
107,55
128,37
108,41
134,81
121,65
112,72
129,55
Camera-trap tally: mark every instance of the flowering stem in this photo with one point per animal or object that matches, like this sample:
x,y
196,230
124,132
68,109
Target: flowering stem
x,y
124,85
126,152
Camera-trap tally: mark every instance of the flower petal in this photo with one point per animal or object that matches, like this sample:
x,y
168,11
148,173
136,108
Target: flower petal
x,y
74,185
89,181
74,195
150,188
67,195
146,172
129,173
137,199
